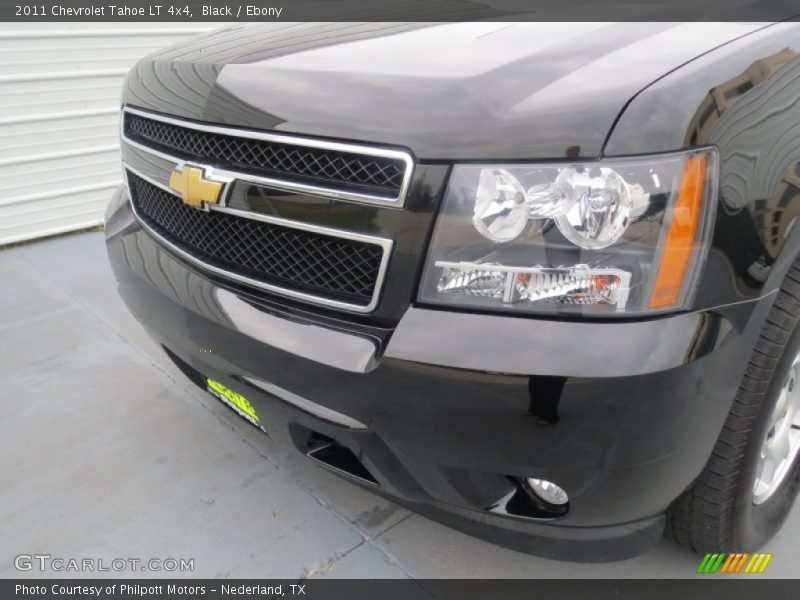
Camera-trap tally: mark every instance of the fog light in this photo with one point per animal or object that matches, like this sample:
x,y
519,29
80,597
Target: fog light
x,y
548,491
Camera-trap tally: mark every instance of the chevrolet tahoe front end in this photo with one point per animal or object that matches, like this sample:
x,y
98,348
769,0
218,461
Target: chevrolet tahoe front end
x,y
517,278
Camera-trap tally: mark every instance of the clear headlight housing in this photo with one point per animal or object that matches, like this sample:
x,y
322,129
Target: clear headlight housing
x,y
595,238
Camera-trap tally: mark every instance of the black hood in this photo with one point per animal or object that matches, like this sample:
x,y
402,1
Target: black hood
x,y
445,91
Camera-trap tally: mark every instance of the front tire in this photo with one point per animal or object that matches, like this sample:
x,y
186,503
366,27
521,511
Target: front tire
x,y
749,484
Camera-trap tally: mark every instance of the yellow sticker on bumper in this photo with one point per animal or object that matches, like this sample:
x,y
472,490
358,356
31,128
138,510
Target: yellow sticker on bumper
x,y
235,400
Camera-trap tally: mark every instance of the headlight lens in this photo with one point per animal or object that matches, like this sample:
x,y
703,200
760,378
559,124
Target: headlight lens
x,y
601,209
596,238
501,211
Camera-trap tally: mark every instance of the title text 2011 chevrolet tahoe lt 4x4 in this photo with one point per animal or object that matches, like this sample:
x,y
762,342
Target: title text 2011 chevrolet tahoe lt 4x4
x,y
540,282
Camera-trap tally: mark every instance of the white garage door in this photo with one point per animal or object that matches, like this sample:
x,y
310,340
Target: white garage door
x,y
59,100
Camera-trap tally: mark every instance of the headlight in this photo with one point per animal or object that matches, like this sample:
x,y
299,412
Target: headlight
x,y
596,238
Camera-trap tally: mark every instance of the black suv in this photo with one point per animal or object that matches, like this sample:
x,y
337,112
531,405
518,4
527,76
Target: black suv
x,y
537,281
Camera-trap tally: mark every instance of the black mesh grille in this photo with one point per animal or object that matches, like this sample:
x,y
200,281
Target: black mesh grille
x,y
322,265
289,162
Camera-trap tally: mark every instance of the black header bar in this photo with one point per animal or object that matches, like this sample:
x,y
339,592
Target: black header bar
x,y
708,587
396,10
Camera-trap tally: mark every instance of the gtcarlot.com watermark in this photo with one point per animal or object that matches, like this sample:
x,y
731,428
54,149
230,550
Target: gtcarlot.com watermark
x,y
58,564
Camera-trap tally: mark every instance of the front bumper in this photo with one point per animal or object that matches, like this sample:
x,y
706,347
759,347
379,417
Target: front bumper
x,y
456,405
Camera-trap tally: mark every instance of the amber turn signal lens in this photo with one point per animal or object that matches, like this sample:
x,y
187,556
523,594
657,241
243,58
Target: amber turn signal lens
x,y
681,234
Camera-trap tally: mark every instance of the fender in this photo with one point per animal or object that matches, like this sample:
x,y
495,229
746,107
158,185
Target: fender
x,y
720,99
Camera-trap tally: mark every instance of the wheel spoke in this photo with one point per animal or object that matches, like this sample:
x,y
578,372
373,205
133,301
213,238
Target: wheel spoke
x,y
777,412
768,466
778,450
759,486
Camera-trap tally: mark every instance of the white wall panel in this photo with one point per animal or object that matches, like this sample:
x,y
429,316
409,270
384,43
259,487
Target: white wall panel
x,y
59,100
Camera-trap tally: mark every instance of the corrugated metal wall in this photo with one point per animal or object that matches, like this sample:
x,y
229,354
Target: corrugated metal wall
x,y
59,103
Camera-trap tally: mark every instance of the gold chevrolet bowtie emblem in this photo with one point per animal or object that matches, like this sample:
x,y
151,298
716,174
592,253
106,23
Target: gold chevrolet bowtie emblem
x,y
193,187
